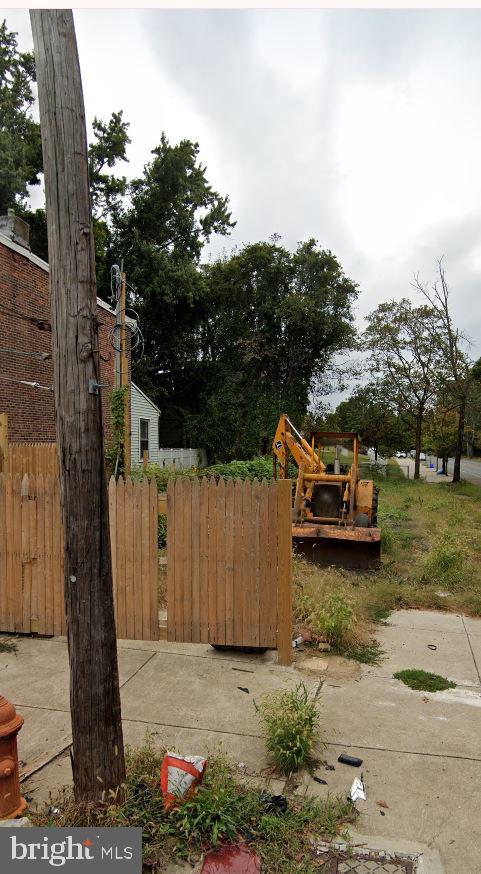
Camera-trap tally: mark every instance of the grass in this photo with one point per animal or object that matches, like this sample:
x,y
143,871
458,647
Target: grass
x,y
431,559
290,719
7,645
223,809
423,680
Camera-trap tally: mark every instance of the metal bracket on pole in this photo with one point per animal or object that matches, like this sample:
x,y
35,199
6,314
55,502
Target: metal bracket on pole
x,y
94,386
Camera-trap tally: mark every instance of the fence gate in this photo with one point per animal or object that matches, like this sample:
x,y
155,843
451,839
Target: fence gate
x,y
229,567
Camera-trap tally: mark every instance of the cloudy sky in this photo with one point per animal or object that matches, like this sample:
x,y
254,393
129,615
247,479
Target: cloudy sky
x,y
359,128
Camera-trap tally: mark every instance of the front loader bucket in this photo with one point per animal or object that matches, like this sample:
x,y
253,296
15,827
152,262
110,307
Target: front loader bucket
x,y
352,548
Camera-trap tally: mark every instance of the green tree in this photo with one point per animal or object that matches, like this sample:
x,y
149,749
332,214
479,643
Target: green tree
x,y
107,190
368,412
406,359
172,214
440,433
275,320
20,144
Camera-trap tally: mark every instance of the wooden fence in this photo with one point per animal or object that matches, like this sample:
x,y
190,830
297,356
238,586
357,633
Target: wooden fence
x,y
31,556
33,458
229,574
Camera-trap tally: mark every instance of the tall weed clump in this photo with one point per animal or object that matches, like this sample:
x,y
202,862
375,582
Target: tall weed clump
x,y
291,721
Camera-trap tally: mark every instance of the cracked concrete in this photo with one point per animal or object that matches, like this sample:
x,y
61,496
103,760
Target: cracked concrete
x,y
421,752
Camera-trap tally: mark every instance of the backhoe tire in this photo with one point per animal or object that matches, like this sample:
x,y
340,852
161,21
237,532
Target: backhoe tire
x,y
361,521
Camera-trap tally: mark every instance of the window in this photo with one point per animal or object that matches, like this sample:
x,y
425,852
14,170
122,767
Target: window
x,y
144,437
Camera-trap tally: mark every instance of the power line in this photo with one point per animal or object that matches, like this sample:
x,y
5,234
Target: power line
x,y
41,356
27,382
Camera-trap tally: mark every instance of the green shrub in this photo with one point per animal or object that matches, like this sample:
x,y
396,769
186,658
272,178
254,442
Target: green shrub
x,y
161,530
291,721
162,474
333,618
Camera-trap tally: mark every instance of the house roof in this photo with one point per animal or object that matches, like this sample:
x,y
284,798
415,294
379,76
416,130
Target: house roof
x,y
39,262
146,397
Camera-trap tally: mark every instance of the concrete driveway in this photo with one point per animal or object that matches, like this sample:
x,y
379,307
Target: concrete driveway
x,y
421,752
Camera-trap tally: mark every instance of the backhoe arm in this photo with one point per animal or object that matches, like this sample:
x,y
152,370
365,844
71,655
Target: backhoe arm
x,y
287,439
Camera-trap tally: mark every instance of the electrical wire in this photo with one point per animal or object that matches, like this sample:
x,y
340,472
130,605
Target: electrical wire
x,y
41,356
27,382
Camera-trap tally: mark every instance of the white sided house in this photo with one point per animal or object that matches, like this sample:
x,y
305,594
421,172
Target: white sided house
x,y
144,424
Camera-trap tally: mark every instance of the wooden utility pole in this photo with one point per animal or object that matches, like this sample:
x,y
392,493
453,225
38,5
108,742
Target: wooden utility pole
x,y
124,372
98,753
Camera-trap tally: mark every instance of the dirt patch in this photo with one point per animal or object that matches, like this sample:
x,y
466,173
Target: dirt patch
x,y
330,667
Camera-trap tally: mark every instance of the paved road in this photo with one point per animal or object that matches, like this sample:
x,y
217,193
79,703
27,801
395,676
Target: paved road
x,y
470,469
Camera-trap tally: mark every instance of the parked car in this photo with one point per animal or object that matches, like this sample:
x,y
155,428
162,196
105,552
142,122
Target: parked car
x,y
400,454
422,455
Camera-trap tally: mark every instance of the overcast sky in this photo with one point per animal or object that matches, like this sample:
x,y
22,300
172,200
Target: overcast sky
x,y
359,128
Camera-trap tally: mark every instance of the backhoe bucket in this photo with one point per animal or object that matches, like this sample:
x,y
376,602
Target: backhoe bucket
x,y
352,548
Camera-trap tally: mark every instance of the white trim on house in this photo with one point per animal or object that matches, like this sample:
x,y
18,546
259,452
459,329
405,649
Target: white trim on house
x,y
39,262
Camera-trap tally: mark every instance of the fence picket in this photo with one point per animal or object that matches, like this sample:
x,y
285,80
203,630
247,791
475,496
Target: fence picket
x,y
154,564
171,504
220,564
204,560
195,559
25,604
41,568
229,560
186,628
238,575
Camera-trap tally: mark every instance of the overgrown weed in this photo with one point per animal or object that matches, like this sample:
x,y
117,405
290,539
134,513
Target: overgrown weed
x,y
290,720
223,808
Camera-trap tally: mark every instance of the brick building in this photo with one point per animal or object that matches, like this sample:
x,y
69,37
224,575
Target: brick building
x,y
25,340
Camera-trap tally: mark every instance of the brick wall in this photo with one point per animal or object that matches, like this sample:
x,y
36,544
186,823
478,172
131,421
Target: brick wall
x,y
25,326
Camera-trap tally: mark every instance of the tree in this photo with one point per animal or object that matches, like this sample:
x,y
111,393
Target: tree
x,y
172,214
107,190
275,319
440,432
20,143
98,754
368,412
458,365
407,360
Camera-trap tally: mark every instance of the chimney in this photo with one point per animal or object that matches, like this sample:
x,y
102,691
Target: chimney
x,y
15,229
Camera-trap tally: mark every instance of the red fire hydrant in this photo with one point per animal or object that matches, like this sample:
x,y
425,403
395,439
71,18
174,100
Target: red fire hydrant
x,y
11,802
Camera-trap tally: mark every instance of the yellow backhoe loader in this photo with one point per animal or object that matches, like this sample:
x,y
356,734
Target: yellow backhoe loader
x,y
334,514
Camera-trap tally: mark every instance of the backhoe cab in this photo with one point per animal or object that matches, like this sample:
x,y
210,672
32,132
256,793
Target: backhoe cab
x,y
334,515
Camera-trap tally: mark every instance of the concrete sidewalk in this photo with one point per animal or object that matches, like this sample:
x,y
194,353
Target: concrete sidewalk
x,y
421,752
407,466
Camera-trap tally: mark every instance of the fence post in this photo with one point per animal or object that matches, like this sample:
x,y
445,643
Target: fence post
x,y
4,454
284,572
